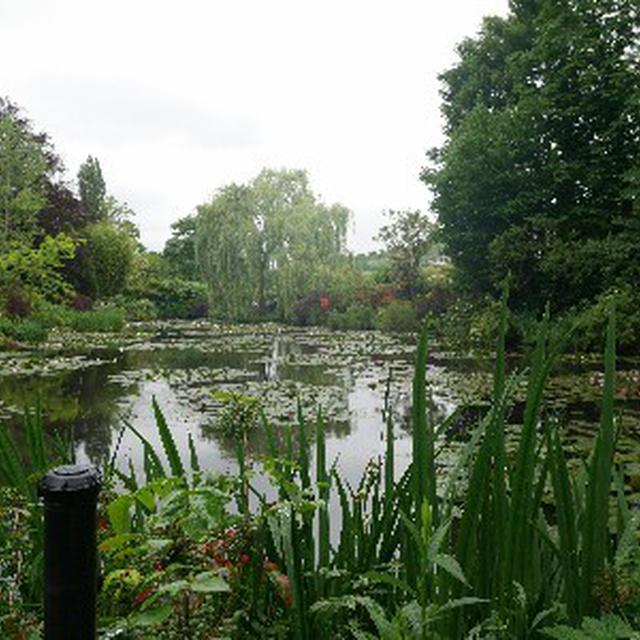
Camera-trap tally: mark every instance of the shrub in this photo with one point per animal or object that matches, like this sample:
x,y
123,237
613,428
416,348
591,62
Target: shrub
x,y
110,255
80,302
173,297
106,319
355,317
310,311
136,309
593,318
17,302
22,330
397,316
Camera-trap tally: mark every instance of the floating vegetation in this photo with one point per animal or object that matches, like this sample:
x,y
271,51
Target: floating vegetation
x,y
88,382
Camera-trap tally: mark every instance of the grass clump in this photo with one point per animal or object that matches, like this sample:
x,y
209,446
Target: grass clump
x,y
21,330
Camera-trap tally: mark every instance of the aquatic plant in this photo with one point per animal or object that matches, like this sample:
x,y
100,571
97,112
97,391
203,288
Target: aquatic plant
x,y
507,543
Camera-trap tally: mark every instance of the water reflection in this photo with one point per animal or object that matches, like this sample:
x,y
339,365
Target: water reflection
x,y
89,391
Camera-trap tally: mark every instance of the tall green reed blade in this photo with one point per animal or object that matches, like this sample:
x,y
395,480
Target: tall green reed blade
x,y
389,450
522,508
394,532
423,439
242,497
303,451
499,466
274,449
567,529
495,508
303,463
13,472
34,429
345,556
193,456
596,530
155,464
168,443
470,544
323,484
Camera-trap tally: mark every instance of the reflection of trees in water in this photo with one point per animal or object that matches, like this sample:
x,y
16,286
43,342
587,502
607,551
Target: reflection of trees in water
x,y
172,358
77,404
339,428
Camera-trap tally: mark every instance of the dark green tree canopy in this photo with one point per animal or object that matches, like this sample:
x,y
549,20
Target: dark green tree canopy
x,y
180,249
542,120
408,237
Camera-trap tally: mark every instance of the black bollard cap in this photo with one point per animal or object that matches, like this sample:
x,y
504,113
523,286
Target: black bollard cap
x,y
70,478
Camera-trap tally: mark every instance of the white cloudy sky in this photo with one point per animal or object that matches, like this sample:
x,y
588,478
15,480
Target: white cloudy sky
x,y
179,98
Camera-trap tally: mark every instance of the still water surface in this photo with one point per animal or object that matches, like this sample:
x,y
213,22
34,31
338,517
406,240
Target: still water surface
x,y
89,386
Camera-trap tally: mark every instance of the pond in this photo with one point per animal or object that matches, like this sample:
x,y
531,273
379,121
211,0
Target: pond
x,y
89,385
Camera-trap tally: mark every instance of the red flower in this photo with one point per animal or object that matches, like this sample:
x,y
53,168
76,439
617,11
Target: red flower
x,y
286,592
103,523
244,558
142,596
324,302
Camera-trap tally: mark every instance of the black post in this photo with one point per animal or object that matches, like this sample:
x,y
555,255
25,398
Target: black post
x,y
70,495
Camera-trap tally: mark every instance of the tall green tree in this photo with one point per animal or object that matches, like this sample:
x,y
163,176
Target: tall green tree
x,y
180,249
227,251
99,204
23,171
258,244
408,237
92,187
540,163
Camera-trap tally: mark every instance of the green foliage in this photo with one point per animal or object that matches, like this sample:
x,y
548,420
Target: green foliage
x,y
397,316
23,171
240,415
355,317
258,245
21,330
103,319
171,297
92,187
471,553
536,182
180,249
110,257
610,627
21,527
408,238
38,271
592,319
175,298
136,309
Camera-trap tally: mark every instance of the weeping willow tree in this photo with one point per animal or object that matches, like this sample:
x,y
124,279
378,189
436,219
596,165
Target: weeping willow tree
x,y
259,244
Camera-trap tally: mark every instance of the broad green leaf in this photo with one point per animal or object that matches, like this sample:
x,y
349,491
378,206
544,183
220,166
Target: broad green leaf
x,y
209,582
152,617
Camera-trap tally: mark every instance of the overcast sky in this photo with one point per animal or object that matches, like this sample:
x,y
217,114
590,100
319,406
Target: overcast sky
x,y
179,98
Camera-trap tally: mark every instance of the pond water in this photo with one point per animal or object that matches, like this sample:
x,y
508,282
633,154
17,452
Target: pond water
x,y
89,385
